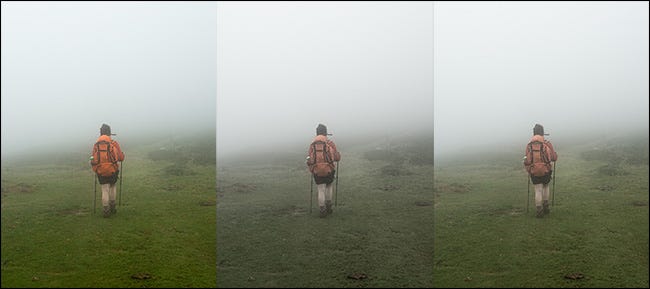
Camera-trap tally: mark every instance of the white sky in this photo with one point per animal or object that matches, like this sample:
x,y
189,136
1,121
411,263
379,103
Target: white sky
x,y
285,67
68,67
501,67
480,70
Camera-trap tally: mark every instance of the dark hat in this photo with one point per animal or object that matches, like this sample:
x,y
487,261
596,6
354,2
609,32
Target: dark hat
x,y
105,130
538,129
321,129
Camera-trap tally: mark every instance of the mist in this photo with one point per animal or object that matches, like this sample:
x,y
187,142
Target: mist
x,y
500,68
359,68
146,69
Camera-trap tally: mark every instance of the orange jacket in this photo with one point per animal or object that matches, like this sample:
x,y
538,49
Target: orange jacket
x,y
117,152
331,144
318,164
547,144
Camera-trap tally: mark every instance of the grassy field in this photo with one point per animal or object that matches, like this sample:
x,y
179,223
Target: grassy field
x,y
381,228
162,236
596,234
394,223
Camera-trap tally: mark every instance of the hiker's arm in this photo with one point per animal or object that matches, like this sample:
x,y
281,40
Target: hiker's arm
x,y
337,155
526,160
553,153
120,154
309,154
93,161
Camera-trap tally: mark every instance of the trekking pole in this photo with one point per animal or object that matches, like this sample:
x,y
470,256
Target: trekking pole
x,y
553,197
528,195
121,170
95,194
336,192
311,191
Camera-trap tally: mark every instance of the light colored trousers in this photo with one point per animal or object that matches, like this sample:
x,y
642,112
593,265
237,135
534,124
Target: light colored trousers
x,y
324,193
542,192
109,191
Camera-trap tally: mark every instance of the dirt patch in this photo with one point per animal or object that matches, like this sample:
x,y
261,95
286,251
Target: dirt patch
x,y
172,187
235,188
389,188
395,171
452,188
574,276
605,188
240,188
358,276
17,188
504,212
178,169
290,211
515,212
73,211
611,170
640,203
207,203
141,276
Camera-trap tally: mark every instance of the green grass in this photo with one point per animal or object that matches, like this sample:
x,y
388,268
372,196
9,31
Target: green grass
x,y
267,237
477,233
53,237
598,226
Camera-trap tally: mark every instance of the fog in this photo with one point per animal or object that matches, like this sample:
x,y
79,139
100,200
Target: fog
x,y
359,68
143,68
576,68
479,73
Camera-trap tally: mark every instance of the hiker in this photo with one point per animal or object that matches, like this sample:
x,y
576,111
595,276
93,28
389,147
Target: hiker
x,y
104,160
539,159
320,159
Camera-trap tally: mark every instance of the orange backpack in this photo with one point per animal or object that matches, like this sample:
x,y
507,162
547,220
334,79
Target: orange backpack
x,y
538,159
104,159
321,160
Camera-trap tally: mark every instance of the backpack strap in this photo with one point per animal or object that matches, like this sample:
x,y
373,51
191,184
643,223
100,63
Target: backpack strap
x,y
111,155
111,158
542,151
326,153
546,157
99,156
313,152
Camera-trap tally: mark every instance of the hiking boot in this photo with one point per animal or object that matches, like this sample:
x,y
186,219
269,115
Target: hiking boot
x,y
540,212
107,211
328,205
112,205
323,212
546,209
